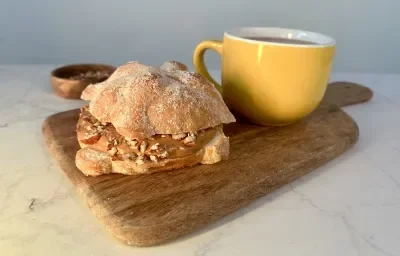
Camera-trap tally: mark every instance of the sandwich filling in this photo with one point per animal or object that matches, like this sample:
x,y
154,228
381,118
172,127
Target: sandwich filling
x,y
104,138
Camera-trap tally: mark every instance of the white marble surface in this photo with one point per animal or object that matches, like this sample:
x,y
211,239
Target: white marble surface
x,y
351,206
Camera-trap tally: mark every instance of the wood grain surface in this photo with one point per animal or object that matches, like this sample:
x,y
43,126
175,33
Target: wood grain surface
x,y
152,209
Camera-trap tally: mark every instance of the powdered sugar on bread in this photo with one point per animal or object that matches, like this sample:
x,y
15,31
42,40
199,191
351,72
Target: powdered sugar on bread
x,y
141,101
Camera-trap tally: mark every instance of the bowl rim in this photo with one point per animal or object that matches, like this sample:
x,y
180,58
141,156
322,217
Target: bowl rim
x,y
53,72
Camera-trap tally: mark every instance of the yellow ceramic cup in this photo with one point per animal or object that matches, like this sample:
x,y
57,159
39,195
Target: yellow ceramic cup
x,y
271,83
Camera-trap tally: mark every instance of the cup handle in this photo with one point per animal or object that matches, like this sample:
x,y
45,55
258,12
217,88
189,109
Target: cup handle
x,y
198,59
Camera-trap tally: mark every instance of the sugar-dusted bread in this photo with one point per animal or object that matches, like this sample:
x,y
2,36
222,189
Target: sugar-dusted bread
x,y
141,101
145,119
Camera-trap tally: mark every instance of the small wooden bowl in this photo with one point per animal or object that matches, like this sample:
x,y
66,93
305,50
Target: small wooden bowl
x,y
69,81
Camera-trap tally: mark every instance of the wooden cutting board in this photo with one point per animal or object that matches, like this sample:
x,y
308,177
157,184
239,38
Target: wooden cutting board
x,y
152,209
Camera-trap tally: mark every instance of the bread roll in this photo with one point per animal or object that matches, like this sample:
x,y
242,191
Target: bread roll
x,y
145,119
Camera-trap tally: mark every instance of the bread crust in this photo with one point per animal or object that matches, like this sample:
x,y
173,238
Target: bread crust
x,y
141,101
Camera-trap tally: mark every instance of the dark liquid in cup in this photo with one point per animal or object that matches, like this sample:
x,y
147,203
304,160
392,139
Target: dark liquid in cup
x,y
279,40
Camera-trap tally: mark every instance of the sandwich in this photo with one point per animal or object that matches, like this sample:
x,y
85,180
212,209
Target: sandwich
x,y
146,119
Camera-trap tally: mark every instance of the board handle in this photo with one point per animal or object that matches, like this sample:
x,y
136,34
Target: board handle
x,y
343,93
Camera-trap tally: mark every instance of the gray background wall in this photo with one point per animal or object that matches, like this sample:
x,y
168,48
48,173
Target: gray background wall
x,y
151,31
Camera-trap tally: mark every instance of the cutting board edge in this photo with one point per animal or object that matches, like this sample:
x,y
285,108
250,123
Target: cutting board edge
x,y
51,147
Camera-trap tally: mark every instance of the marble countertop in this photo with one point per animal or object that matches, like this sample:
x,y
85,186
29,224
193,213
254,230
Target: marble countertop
x,y
351,206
